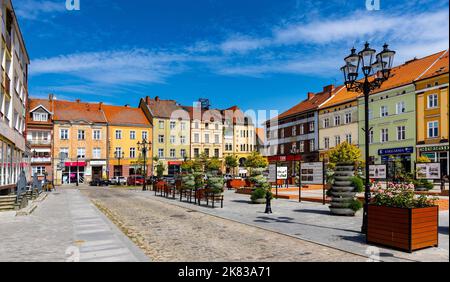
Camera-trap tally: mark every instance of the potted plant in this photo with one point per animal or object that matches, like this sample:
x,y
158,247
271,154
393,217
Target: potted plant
x,y
262,186
345,185
398,218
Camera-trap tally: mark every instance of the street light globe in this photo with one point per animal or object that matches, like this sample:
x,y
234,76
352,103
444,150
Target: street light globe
x,y
366,57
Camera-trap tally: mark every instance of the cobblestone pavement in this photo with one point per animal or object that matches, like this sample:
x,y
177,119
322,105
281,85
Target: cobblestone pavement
x,y
172,233
64,227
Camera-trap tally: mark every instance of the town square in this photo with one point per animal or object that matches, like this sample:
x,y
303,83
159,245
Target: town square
x,y
218,131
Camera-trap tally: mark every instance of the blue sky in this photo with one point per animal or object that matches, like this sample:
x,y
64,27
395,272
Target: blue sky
x,y
258,54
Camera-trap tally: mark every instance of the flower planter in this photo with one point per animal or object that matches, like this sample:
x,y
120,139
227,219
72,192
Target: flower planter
x,y
235,183
259,201
248,183
342,192
402,228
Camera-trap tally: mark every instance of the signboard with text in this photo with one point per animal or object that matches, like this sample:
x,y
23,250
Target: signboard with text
x,y
428,171
378,171
282,173
312,173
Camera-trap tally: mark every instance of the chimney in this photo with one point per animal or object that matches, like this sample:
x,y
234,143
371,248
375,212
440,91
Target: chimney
x,y
310,95
127,106
51,97
78,101
157,98
328,88
147,100
100,105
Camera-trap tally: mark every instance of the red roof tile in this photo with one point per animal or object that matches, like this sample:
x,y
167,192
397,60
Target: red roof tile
x,y
123,115
439,67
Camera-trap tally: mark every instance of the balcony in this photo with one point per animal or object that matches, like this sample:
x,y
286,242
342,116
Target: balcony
x,y
40,142
41,160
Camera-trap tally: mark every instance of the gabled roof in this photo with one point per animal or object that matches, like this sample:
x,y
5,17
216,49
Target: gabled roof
x,y
34,104
121,115
340,96
162,108
438,68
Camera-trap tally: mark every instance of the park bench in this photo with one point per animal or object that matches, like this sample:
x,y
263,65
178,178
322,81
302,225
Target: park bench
x,y
213,198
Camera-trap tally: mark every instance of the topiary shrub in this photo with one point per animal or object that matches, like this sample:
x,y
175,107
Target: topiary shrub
x,y
355,205
358,183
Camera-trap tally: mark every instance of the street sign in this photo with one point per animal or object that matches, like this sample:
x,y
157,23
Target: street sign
x,y
377,171
272,173
428,171
312,173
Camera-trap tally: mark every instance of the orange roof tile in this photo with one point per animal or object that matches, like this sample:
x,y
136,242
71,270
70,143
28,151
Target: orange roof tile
x,y
408,72
70,111
121,115
261,135
341,95
439,67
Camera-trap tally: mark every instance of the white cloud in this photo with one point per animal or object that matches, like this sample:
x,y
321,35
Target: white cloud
x,y
34,9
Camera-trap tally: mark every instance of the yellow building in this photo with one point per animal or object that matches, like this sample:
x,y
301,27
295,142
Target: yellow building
x,y
79,144
171,132
432,100
126,127
338,120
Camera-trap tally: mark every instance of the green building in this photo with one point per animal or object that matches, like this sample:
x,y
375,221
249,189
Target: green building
x,y
392,116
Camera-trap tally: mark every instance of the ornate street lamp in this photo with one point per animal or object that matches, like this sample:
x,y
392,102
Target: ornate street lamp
x,y
374,74
144,147
119,156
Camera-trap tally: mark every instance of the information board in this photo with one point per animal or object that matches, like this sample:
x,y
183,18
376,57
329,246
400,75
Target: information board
x,y
282,173
312,173
428,171
378,171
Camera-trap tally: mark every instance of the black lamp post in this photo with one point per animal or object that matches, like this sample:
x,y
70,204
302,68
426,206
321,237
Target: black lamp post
x,y
375,73
144,147
78,170
119,156
295,151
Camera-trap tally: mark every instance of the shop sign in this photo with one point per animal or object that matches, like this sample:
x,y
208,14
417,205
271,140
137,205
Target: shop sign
x,y
94,163
282,172
396,151
75,164
434,148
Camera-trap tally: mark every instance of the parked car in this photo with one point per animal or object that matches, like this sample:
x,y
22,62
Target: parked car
x,y
99,182
116,180
135,180
227,177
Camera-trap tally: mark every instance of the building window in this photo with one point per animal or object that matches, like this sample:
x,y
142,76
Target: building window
x,y
64,153
196,125
302,146
196,153
97,153
133,135
81,135
161,139
282,149
183,153
81,153
132,153
96,134
118,134
206,125
182,139
348,118
40,117
302,129
400,108
337,120
370,114
401,133
294,130
207,153
161,124
196,138
433,129
172,153
144,135
371,137
216,153
326,123
38,170
216,138
326,142
282,133
161,153
312,126
432,101
384,111
337,140
312,145
348,138
172,139
207,138
183,125
384,135
217,126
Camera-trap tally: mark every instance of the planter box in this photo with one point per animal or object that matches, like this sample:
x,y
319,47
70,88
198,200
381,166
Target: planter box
x,y
235,183
404,229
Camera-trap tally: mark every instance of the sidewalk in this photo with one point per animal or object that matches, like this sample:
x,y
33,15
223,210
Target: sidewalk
x,y
313,222
64,227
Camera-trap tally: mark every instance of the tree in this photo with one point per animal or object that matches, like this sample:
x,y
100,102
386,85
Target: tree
x,y
345,153
160,168
213,164
256,160
188,165
231,163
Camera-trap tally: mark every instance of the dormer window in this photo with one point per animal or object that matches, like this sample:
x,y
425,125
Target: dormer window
x,y
40,117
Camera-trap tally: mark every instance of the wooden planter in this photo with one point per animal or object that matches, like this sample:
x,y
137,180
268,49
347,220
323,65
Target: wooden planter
x,y
235,183
404,229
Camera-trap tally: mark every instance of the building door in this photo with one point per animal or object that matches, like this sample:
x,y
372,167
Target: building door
x,y
97,172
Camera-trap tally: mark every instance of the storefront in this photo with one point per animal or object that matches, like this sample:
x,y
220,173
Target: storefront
x,y
290,162
390,157
73,171
437,154
97,169
174,167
